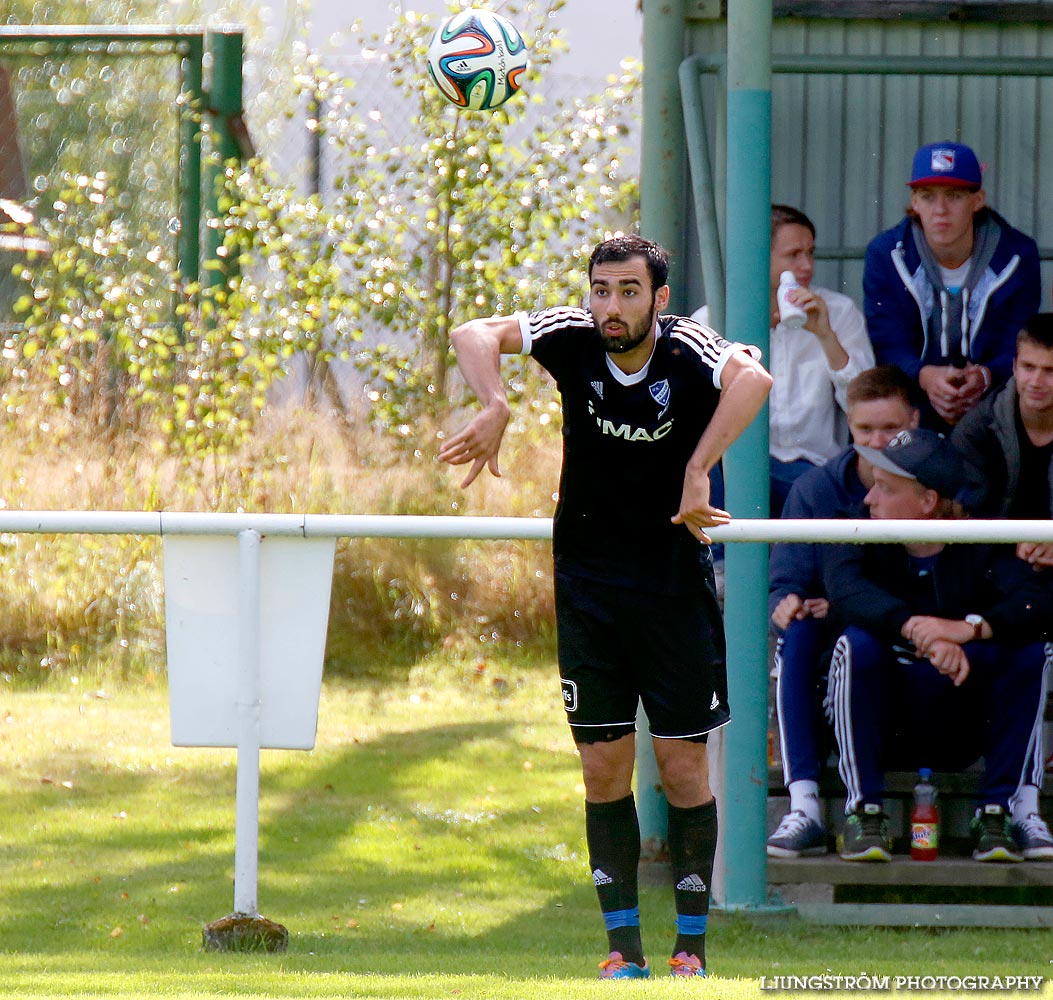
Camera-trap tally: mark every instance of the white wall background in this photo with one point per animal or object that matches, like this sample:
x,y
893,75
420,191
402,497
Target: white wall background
x,y
600,33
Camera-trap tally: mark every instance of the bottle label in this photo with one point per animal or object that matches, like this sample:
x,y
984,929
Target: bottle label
x,y
925,836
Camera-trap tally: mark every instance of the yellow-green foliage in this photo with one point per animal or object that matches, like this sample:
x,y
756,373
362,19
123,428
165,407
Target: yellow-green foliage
x,y
91,606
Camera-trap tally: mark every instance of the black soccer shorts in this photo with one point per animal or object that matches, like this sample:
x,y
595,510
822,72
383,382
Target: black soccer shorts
x,y
619,646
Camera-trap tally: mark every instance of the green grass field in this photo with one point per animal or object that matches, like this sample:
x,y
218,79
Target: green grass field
x,y
430,846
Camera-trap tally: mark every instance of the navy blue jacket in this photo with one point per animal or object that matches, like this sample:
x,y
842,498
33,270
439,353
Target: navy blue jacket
x,y
868,586
898,299
832,490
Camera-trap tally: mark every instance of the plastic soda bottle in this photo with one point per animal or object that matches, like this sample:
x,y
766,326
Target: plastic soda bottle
x,y
789,314
924,819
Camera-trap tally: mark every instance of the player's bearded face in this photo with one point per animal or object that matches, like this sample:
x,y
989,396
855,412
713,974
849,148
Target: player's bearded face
x,y
630,332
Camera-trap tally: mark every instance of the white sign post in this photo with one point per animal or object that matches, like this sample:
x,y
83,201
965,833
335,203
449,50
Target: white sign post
x,y
246,622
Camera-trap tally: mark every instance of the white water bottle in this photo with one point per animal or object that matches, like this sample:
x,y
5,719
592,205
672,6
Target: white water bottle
x,y
790,315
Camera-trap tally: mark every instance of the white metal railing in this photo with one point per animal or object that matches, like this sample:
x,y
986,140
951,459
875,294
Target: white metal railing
x,y
411,526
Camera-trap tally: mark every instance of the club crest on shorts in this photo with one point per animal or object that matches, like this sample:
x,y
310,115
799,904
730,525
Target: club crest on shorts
x,y
660,392
570,696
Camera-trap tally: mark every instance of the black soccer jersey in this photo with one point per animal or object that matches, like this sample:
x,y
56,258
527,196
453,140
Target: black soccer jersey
x,y
626,443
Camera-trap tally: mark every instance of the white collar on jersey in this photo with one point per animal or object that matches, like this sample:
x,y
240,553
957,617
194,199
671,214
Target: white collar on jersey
x,y
639,376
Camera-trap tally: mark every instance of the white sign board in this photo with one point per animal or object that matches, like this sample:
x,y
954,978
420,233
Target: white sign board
x,y
202,585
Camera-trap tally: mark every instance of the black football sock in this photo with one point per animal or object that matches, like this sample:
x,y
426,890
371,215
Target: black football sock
x,y
612,831
692,847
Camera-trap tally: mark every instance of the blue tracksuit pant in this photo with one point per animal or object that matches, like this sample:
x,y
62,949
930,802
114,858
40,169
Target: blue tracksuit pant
x,y
891,710
801,658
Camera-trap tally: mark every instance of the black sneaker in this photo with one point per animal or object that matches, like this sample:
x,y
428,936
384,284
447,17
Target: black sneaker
x,y
992,837
865,837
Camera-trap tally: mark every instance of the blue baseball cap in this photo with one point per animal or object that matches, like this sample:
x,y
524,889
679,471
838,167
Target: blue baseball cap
x,y
950,163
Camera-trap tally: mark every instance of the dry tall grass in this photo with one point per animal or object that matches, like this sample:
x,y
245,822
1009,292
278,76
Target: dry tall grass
x,y
91,607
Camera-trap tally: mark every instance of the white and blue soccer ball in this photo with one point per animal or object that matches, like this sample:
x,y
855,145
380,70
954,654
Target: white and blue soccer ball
x,y
477,59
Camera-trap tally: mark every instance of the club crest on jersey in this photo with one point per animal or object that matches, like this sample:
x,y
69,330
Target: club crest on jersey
x,y
660,392
597,387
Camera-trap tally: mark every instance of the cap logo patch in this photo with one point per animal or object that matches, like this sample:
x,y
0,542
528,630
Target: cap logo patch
x,y
943,160
902,439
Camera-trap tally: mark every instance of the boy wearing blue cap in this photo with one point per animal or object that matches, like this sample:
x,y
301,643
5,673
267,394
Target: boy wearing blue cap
x,y
946,290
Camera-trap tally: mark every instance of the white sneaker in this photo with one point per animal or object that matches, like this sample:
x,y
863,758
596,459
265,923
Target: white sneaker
x,y
1033,838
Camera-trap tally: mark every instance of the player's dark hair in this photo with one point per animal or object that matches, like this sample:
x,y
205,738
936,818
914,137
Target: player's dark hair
x,y
621,248
882,382
1038,330
787,215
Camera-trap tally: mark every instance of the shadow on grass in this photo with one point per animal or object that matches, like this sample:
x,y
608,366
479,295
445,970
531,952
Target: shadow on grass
x,y
429,851
410,851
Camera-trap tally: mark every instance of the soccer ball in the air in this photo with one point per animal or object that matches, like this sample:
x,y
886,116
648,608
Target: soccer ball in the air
x,y
477,59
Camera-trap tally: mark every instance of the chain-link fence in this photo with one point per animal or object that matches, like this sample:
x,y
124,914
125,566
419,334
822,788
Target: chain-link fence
x,y
108,111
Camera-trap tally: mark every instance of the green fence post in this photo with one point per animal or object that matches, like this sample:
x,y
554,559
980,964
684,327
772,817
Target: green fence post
x,y
225,101
193,95
746,468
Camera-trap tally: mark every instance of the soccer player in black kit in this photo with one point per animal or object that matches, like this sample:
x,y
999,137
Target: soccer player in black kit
x,y
650,403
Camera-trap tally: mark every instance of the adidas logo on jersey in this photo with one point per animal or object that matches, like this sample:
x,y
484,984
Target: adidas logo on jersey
x,y
600,877
691,883
597,387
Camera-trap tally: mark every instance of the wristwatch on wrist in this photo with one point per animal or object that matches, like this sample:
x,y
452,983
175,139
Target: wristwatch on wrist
x,y
977,622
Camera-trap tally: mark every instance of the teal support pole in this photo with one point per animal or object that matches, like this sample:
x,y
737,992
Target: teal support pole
x,y
663,196
663,172
746,465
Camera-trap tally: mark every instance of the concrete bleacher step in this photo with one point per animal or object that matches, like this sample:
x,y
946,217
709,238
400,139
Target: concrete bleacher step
x,y
924,915
952,891
947,892
901,871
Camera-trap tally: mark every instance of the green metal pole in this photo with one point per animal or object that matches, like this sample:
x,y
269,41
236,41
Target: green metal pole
x,y
663,193
225,96
663,171
703,189
746,467
190,160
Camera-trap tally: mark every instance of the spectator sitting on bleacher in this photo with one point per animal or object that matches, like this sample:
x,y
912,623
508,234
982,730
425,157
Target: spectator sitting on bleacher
x,y
880,405
942,660
812,365
1008,439
946,290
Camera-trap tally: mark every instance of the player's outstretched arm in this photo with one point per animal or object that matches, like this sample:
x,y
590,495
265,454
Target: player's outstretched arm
x,y
744,386
479,345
